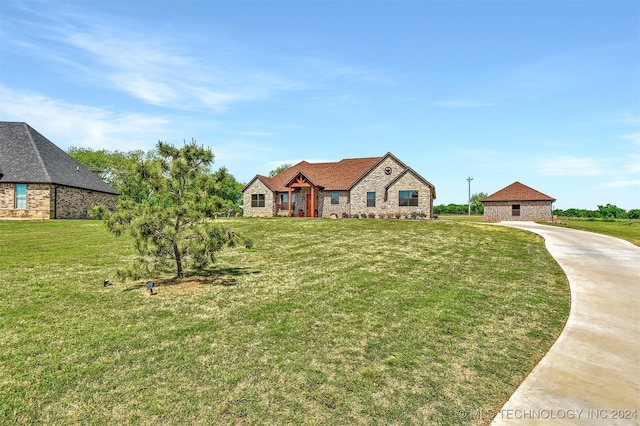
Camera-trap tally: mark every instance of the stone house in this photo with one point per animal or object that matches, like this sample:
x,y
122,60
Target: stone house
x,y
375,186
518,202
40,181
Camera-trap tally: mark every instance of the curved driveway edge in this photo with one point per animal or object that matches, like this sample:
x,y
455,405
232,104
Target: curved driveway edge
x,y
591,374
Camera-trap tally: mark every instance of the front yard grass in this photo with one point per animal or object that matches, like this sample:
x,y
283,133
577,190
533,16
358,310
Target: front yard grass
x,y
626,229
352,321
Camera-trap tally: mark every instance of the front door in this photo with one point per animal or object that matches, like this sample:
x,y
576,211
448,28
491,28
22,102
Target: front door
x,y
309,212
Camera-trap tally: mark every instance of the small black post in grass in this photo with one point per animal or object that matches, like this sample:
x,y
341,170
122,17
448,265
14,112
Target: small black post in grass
x,y
106,283
150,286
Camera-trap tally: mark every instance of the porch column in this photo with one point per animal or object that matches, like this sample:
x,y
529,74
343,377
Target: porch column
x,y
313,201
289,201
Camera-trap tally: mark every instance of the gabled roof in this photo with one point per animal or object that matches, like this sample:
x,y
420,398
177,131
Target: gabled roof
x,y
518,192
409,170
28,157
337,176
301,177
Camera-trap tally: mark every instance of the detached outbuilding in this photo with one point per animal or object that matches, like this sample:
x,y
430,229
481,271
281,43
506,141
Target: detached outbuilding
x,y
38,180
518,202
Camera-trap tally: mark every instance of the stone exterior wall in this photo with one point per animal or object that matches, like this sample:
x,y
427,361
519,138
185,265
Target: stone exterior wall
x,y
375,181
38,202
352,202
387,204
71,203
258,187
326,209
75,203
496,211
411,183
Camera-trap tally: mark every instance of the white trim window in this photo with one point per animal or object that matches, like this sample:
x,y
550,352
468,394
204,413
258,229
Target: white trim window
x,y
21,196
407,198
257,200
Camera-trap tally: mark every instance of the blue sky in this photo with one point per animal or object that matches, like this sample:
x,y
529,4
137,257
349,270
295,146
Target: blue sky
x,y
543,92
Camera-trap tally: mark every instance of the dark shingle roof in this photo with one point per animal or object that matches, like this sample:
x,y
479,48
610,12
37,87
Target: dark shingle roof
x,y
518,192
28,157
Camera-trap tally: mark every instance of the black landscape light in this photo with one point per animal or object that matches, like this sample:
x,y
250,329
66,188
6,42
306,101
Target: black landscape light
x,y
106,283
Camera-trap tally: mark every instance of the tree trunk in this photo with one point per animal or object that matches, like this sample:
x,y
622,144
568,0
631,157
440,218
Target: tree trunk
x,y
176,251
178,257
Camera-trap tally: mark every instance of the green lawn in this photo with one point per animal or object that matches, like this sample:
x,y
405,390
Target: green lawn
x,y
461,218
626,229
352,321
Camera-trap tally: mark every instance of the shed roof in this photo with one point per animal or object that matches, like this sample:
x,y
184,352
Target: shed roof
x,y
518,192
28,157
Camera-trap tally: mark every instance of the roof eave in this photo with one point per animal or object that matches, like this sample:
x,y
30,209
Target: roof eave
x,y
298,173
380,160
262,179
511,200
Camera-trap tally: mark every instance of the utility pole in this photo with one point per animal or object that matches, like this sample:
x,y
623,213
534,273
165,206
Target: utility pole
x,y
469,179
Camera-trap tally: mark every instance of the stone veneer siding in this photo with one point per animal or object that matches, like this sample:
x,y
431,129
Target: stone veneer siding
x,y
377,180
411,183
496,211
355,201
258,187
72,203
75,203
326,209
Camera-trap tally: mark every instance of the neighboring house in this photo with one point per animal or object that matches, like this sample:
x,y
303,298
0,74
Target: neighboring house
x,y
518,202
40,181
380,186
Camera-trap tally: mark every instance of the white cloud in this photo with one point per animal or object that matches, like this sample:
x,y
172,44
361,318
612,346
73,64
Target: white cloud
x,y
633,137
632,165
153,92
67,124
159,74
619,184
145,65
570,166
630,118
186,73
218,101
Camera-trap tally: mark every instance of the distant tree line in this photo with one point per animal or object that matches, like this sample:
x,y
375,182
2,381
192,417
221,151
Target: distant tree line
x,y
476,206
122,171
608,211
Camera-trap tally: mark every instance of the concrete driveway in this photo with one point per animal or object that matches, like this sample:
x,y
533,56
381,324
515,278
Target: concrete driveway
x,y
591,375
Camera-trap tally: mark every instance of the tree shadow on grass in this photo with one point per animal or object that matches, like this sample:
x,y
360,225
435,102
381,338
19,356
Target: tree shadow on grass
x,y
226,277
